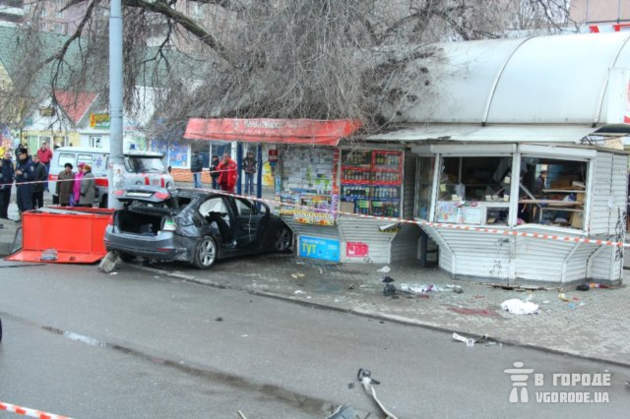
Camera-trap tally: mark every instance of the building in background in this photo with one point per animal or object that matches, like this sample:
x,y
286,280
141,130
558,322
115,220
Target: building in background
x,y
601,15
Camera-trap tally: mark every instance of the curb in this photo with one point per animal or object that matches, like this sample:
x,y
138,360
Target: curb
x,y
376,315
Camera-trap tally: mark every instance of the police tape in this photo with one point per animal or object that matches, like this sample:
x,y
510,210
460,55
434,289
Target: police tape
x,y
425,223
33,413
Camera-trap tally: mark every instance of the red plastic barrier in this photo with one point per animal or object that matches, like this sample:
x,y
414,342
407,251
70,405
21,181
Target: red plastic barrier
x,y
75,233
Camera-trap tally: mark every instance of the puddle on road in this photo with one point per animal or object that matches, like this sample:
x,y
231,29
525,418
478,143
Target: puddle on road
x,y
287,397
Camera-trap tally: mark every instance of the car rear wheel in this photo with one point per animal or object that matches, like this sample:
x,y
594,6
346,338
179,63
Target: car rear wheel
x,y
205,253
284,239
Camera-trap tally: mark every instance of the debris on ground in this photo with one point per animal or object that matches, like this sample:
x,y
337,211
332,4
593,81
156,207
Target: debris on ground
x,y
469,341
299,292
516,306
297,275
365,377
389,288
385,270
457,289
108,264
420,289
595,285
519,288
583,287
219,319
343,412
49,255
563,297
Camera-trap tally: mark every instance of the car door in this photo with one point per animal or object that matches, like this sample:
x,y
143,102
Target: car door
x,y
250,222
211,207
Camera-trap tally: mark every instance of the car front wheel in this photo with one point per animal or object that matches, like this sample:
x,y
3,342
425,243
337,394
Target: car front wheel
x,y
205,253
284,239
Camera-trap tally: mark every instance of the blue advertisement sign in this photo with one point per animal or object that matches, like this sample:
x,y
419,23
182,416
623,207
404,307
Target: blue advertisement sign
x,y
318,248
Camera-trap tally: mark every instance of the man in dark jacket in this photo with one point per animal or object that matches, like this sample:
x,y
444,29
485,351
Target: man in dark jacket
x,y
24,174
7,176
214,173
41,175
196,166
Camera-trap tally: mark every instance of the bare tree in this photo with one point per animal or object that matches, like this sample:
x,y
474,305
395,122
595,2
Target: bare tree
x,y
275,58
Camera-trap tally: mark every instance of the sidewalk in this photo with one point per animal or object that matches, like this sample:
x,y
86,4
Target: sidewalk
x,y
592,325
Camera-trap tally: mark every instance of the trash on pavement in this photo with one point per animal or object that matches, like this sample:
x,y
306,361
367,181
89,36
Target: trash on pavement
x,y
595,285
49,255
389,288
297,275
516,306
469,341
571,305
365,377
583,287
563,297
385,269
299,292
420,289
241,415
343,412
457,289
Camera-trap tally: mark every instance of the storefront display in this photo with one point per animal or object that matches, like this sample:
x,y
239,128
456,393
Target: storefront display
x,y
371,182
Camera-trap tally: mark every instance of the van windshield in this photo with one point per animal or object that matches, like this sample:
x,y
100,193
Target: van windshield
x,y
137,164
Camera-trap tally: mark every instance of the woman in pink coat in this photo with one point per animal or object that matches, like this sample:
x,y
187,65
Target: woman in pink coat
x,y
76,188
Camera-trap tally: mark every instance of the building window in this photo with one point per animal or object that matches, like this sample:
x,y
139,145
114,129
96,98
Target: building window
x,y
59,14
96,142
59,28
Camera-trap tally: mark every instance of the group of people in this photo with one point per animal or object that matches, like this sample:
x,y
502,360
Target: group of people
x,y
224,172
30,175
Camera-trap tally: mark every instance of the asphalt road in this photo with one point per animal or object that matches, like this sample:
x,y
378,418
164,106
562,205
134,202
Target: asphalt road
x,y
135,345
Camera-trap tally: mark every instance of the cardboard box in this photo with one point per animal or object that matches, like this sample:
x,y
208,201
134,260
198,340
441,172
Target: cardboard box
x,y
580,197
346,207
577,220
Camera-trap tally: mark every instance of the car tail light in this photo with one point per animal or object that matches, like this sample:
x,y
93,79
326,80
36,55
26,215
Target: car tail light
x,y
119,192
169,225
53,177
162,195
111,221
102,182
146,180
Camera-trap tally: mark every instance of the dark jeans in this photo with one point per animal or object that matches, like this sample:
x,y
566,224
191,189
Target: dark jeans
x,y
25,197
249,183
5,199
215,183
38,199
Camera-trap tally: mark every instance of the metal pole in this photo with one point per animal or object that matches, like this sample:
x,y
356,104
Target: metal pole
x,y
239,167
259,173
116,159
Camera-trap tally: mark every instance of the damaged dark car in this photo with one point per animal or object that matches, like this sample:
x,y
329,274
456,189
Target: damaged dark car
x,y
192,226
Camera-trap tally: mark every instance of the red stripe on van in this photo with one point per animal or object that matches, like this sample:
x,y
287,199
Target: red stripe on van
x,y
102,182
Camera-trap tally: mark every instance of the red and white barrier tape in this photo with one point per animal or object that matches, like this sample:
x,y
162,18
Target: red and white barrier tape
x,y
463,227
29,412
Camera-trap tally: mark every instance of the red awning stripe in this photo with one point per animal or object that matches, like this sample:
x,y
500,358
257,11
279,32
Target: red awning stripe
x,y
282,131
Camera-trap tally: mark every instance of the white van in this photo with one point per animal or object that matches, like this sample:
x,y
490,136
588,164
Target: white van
x,y
141,168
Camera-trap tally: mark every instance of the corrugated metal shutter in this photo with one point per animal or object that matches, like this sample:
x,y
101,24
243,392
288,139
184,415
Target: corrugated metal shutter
x,y
446,256
577,265
405,243
601,190
363,230
327,232
480,255
409,186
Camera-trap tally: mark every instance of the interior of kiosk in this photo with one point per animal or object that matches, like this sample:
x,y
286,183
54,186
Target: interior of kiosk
x,y
476,189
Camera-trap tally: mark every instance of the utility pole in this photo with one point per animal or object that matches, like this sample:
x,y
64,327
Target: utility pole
x,y
116,159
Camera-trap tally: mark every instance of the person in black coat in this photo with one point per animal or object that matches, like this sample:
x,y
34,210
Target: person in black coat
x,y
7,176
41,175
214,173
196,166
24,175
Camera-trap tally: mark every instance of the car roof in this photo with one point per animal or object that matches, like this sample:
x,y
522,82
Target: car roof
x,y
131,153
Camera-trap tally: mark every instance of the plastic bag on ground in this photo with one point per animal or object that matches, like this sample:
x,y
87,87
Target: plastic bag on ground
x,y
516,306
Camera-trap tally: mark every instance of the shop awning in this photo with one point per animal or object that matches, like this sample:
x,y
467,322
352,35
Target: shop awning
x,y
488,134
279,131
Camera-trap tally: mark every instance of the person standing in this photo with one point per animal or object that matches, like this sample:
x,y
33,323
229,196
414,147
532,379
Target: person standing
x,y
24,176
249,166
227,173
64,185
45,155
196,166
76,186
40,178
214,172
88,188
540,184
7,176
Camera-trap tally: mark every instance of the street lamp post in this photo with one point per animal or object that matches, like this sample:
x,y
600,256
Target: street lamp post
x,y
116,159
